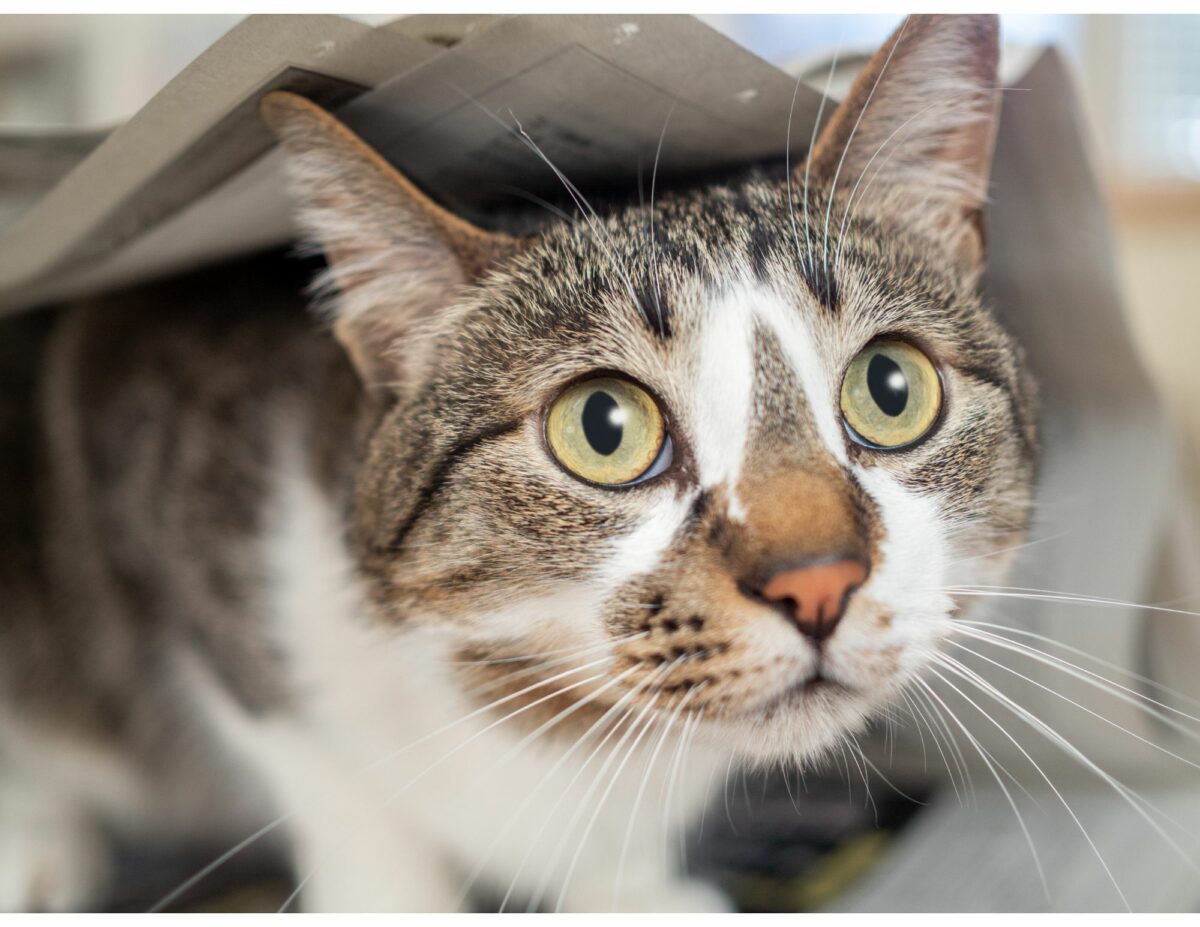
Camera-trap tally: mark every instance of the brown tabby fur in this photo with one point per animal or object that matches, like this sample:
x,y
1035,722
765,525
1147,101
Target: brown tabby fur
x,y
154,419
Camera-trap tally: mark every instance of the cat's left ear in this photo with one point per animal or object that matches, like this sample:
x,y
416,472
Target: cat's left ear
x,y
396,257
916,131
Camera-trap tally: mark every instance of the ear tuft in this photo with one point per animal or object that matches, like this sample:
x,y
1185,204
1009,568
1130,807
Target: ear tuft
x,y
395,257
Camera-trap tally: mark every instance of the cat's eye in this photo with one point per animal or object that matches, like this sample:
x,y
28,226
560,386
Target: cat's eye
x,y
609,431
891,395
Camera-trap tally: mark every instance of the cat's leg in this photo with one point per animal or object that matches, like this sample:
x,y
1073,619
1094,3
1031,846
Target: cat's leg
x,y
353,849
356,857
643,884
632,868
53,856
631,859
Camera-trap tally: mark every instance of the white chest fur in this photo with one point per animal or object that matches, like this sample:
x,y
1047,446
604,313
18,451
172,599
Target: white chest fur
x,y
400,794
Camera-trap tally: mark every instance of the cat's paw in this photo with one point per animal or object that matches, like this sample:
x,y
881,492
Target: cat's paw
x,y
56,865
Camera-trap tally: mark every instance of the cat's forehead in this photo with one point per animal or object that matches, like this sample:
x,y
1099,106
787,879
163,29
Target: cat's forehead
x,y
663,266
741,331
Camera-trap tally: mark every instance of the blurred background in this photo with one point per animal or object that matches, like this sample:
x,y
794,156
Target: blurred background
x,y
1139,78
1139,82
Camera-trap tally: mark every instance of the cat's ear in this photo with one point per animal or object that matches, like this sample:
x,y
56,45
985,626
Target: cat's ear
x,y
395,257
916,131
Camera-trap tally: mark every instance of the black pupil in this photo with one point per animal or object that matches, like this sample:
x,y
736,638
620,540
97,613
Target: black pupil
x,y
888,385
603,433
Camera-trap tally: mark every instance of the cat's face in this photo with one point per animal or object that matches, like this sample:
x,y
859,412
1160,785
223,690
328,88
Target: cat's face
x,y
733,470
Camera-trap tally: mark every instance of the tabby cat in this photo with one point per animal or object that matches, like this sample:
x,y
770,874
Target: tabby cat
x,y
478,585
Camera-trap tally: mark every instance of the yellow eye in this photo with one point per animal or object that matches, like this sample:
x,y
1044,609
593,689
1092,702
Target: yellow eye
x,y
891,395
608,431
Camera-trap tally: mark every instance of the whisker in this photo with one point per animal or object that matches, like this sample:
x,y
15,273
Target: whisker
x,y
812,142
604,796
1109,687
787,784
728,811
637,802
1039,595
988,761
460,746
543,884
1145,680
959,760
581,202
862,770
491,685
645,720
1138,803
558,764
488,707
1076,704
1008,550
689,735
180,890
267,828
708,790
562,715
910,708
574,651
850,139
619,706
662,330
1046,778
536,200
888,782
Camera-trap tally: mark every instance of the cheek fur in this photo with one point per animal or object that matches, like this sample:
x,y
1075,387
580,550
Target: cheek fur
x,y
912,555
639,551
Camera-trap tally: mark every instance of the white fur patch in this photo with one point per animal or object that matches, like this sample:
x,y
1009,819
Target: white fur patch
x,y
387,771
723,393
913,560
816,376
638,552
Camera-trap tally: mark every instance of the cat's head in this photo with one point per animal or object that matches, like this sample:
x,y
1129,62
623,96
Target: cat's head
x,y
731,465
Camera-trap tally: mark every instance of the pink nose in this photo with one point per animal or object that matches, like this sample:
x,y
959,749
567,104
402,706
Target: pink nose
x,y
816,596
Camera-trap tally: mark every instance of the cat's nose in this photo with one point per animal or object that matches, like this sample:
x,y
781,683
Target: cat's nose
x,y
815,596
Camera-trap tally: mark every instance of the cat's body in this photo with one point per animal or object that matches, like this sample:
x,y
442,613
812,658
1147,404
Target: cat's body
x,y
378,588
230,649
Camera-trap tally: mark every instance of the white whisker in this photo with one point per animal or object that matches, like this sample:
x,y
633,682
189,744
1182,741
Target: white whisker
x,y
992,764
637,802
850,139
1078,823
812,142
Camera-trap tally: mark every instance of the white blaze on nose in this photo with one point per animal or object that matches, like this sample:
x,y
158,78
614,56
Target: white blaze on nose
x,y
723,393
817,375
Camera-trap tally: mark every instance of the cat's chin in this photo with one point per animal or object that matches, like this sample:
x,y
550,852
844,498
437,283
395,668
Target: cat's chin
x,y
799,723
805,719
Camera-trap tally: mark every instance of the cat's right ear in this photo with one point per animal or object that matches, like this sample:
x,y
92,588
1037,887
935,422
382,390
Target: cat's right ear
x,y
916,130
395,256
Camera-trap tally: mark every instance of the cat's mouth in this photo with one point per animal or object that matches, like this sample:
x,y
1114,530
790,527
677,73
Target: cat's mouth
x,y
815,687
819,682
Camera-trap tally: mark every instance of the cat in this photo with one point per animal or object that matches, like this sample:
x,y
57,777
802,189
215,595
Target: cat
x,y
477,586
